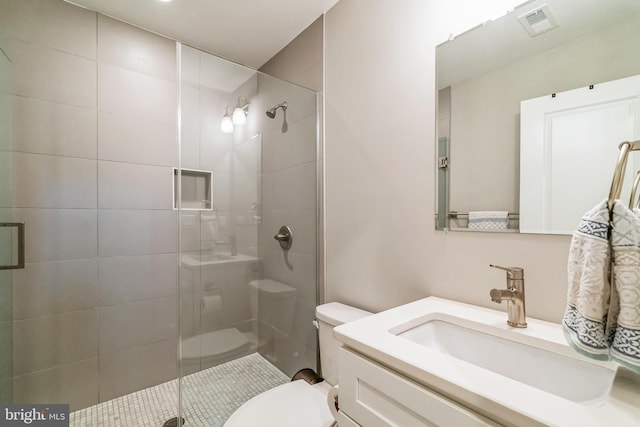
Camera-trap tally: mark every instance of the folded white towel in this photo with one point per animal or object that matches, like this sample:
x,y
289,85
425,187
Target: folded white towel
x,y
602,319
488,220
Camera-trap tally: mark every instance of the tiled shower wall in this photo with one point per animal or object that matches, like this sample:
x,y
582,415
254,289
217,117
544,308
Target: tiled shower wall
x,y
94,125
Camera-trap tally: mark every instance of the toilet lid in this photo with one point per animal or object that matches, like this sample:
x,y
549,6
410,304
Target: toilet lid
x,y
293,404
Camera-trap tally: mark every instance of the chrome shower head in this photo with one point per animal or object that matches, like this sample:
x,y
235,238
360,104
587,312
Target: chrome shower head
x,y
271,113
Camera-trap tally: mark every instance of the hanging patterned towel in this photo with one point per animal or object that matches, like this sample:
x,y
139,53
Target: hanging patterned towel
x,y
624,314
588,297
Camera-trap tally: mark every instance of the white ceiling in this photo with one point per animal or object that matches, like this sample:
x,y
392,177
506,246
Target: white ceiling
x,y
503,41
248,32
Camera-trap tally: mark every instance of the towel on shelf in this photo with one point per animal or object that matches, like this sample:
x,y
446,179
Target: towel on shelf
x,y
602,319
488,220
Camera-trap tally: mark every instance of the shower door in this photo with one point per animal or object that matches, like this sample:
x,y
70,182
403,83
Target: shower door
x,y
246,305
6,234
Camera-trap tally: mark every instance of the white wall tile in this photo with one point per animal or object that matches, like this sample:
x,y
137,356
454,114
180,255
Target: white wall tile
x,y
51,128
58,234
190,148
189,323
74,383
5,178
295,188
134,186
297,146
266,192
136,278
6,301
190,65
6,362
126,325
244,191
51,75
190,231
47,341
137,232
137,368
131,139
247,155
222,190
165,318
6,109
139,323
43,181
190,155
130,47
49,288
52,23
131,93
291,355
303,330
295,270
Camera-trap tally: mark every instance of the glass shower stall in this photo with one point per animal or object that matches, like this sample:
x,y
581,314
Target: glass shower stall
x,y
245,299
140,276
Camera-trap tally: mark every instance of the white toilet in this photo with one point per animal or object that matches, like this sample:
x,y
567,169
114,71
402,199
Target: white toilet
x,y
299,403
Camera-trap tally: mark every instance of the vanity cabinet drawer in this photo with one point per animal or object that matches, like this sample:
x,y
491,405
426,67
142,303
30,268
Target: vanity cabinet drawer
x,y
374,396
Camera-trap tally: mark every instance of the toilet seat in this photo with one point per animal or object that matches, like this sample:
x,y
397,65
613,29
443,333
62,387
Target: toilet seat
x,y
294,404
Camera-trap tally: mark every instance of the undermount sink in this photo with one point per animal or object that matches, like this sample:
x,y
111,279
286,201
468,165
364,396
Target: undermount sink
x,y
564,376
514,376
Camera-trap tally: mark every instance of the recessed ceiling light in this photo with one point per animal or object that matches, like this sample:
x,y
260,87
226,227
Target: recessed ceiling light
x,y
165,1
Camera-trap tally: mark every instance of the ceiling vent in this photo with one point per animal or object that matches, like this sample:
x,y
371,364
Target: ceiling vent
x,y
538,21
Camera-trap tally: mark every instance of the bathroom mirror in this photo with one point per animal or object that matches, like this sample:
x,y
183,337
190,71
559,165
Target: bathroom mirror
x,y
545,50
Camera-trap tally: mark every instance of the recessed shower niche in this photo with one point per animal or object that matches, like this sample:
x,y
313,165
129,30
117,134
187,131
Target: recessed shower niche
x,y
196,191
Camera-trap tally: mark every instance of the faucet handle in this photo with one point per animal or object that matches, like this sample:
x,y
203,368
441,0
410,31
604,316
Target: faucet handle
x,y
516,273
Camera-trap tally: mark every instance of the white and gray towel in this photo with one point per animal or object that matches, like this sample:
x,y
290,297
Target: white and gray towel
x,y
488,220
602,319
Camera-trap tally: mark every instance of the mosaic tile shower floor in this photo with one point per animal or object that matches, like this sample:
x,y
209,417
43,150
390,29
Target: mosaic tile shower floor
x,y
209,397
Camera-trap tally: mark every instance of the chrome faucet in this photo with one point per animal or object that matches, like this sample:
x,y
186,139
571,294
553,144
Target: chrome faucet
x,y
514,295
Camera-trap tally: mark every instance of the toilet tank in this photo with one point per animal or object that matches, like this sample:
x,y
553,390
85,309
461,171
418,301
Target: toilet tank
x,y
329,316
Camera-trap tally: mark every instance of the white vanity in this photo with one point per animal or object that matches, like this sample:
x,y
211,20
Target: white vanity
x,y
436,362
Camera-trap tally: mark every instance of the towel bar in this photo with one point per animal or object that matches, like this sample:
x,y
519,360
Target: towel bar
x,y
621,166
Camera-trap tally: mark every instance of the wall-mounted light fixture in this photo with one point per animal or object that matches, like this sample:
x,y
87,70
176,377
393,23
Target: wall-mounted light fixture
x,y
226,125
240,112
238,118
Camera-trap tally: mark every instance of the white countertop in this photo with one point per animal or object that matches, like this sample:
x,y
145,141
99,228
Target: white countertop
x,y
505,400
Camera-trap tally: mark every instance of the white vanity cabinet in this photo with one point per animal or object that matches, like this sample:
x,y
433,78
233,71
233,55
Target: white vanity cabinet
x,y
373,396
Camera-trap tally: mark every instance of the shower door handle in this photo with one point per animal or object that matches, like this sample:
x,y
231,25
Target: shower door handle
x,y
20,227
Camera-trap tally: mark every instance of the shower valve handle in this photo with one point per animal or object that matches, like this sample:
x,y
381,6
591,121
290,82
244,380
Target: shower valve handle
x,y
285,237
